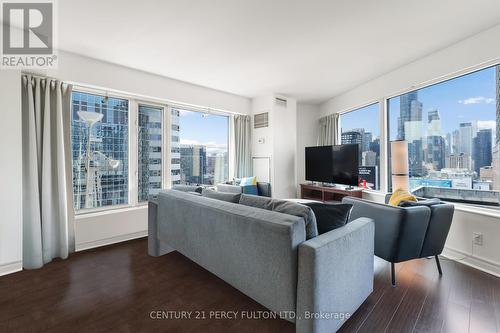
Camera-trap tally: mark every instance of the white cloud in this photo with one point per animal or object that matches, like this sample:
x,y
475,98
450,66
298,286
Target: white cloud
x,y
477,100
485,124
212,147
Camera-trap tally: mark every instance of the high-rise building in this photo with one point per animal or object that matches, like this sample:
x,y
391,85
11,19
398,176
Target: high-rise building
x,y
149,152
369,158
175,150
367,140
482,149
436,152
410,109
193,163
455,142
220,170
410,129
436,144
353,137
466,134
459,161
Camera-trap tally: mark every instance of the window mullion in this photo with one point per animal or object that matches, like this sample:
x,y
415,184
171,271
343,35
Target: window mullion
x,y
133,152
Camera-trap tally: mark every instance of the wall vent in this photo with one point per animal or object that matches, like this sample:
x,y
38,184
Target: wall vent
x,y
280,101
261,120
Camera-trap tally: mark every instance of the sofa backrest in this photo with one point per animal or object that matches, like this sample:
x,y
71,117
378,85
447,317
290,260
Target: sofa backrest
x,y
252,249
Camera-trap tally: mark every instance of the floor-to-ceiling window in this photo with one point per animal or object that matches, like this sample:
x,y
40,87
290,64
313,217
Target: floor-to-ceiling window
x,y
199,147
100,150
451,130
362,127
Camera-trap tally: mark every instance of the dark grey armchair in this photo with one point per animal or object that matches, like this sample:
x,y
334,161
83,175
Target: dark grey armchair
x,y
405,233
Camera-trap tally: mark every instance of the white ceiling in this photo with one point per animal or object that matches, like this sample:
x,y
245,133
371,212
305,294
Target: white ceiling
x,y
310,50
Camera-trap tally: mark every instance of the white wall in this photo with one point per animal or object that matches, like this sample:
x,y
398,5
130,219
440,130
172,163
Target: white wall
x,y
285,145
11,172
277,141
471,53
90,71
307,136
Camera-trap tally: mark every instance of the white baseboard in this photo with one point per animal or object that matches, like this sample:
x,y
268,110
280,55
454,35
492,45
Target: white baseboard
x,y
473,261
111,240
11,268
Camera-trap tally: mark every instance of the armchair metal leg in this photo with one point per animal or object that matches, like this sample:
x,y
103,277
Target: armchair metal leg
x,y
438,265
393,274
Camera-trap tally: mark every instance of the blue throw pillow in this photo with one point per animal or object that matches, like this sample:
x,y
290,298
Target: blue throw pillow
x,y
249,189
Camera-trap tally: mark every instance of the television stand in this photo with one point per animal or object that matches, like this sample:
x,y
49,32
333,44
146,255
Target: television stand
x,y
328,194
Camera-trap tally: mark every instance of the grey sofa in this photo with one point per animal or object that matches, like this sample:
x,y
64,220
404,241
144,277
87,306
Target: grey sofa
x,y
265,255
404,233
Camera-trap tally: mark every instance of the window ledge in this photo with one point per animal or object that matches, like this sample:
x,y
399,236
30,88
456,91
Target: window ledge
x,y
96,213
477,210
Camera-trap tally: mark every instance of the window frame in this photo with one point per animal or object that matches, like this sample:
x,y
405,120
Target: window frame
x,y
134,101
383,101
383,146
230,119
483,209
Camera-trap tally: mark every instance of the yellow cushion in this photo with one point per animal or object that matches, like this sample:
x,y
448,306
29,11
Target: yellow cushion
x,y
401,195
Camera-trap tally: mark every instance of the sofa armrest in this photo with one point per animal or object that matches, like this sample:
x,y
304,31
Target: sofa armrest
x,y
399,232
156,247
335,276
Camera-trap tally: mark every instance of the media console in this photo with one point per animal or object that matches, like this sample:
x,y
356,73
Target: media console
x,y
327,193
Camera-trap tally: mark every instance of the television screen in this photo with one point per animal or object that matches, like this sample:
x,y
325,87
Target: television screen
x,y
319,164
345,164
333,164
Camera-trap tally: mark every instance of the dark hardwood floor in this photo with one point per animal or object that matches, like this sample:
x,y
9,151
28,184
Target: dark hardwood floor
x,y
116,288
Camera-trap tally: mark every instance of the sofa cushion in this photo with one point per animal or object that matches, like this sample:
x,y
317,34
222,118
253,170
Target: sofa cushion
x,y
427,202
187,188
224,196
285,207
330,216
296,209
256,201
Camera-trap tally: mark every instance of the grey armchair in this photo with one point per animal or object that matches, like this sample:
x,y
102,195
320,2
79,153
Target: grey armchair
x,y
405,233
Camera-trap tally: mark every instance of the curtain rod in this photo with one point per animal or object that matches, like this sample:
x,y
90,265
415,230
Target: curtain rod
x,y
41,76
145,99
141,98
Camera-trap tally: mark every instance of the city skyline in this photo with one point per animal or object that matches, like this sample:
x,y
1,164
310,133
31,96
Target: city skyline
x,y
458,101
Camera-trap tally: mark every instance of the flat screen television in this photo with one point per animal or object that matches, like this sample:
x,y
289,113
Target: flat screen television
x,y
333,164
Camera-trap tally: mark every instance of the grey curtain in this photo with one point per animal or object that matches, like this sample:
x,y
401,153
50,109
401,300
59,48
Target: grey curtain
x,y
328,130
242,146
47,226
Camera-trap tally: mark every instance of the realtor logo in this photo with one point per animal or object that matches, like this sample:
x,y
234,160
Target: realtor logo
x,y
28,35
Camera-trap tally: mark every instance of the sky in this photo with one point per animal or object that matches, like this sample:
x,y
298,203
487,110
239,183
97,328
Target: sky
x,y
466,98
205,129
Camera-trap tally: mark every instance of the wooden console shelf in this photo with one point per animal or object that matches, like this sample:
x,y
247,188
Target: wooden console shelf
x,y
326,193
